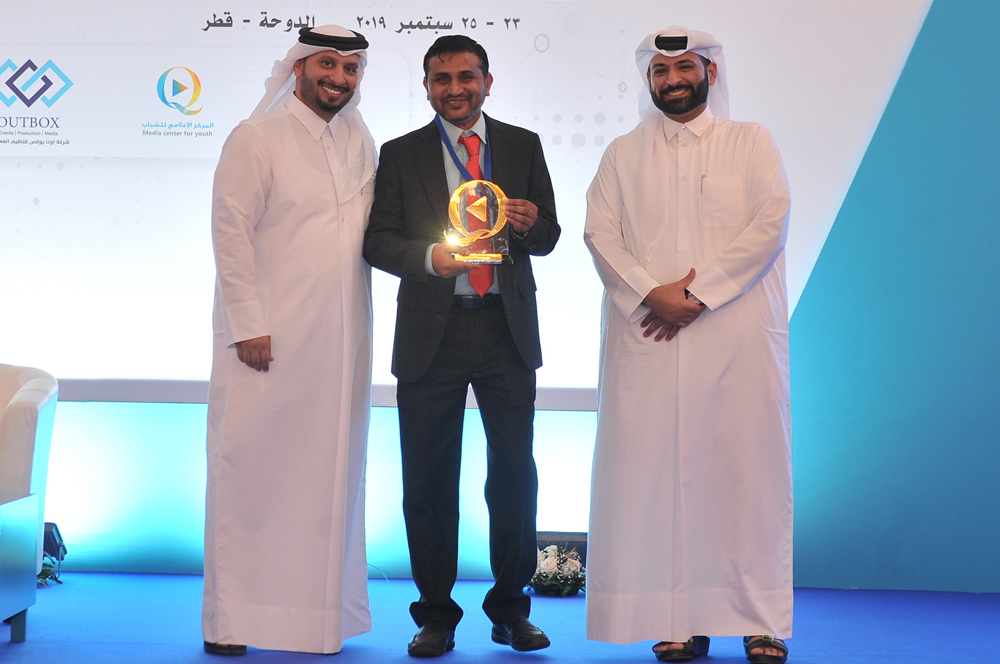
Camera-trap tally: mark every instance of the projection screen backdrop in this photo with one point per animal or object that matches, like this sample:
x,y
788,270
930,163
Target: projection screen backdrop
x,y
112,117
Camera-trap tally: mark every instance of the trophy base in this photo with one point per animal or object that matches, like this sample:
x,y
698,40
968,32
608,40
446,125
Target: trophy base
x,y
482,259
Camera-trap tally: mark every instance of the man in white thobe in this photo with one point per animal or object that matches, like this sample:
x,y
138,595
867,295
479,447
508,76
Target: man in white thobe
x,y
691,512
290,393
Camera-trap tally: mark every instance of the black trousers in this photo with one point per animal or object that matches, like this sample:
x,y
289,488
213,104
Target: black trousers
x,y
477,349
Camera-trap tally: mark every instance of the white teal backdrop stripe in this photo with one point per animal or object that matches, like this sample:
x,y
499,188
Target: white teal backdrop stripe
x,y
895,359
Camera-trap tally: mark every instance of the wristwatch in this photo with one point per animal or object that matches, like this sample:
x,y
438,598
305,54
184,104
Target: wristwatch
x,y
692,297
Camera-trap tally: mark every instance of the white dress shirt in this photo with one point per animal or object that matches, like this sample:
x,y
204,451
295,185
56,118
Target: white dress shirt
x,y
455,179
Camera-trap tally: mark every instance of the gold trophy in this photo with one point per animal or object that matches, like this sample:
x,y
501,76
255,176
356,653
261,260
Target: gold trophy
x,y
485,201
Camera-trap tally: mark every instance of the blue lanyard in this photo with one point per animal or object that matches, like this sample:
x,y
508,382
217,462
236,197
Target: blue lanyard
x,y
487,168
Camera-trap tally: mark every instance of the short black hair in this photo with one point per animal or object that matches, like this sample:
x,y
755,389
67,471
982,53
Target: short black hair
x,y
457,44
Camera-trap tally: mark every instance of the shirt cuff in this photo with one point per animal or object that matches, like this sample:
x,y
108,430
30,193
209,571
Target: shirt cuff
x,y
429,263
714,287
632,290
244,320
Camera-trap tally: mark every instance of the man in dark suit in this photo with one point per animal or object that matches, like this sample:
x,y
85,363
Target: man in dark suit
x,y
459,324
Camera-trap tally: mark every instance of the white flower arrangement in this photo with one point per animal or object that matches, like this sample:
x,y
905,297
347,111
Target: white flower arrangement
x,y
559,572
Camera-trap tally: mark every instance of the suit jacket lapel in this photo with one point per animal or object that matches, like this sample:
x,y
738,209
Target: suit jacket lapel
x,y
430,164
499,152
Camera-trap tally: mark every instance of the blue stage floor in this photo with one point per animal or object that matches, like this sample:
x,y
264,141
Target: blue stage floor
x,y
156,619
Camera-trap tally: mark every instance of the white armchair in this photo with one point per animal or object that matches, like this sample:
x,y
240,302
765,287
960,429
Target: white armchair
x,y
27,411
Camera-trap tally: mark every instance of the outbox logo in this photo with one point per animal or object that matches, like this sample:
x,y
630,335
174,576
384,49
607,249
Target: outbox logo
x,y
179,88
29,83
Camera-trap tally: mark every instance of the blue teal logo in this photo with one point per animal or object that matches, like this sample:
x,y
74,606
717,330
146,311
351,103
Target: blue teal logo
x,y
29,88
179,88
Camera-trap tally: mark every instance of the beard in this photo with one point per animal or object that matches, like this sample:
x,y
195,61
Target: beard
x,y
670,106
308,90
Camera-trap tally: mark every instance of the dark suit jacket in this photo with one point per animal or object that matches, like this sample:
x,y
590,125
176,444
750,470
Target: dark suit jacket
x,y
410,212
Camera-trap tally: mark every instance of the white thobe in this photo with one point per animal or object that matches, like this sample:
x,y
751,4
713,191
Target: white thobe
x,y
285,564
691,503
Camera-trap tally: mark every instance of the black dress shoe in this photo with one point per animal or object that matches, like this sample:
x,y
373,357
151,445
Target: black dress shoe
x,y
224,649
519,634
431,640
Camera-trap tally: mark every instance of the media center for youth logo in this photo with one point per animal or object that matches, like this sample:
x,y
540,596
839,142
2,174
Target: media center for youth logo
x,y
179,88
30,83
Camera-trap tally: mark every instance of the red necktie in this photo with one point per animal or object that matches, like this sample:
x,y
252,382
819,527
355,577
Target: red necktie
x,y
480,278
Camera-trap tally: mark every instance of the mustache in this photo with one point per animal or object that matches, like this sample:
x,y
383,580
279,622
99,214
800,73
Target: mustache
x,y
671,88
341,88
